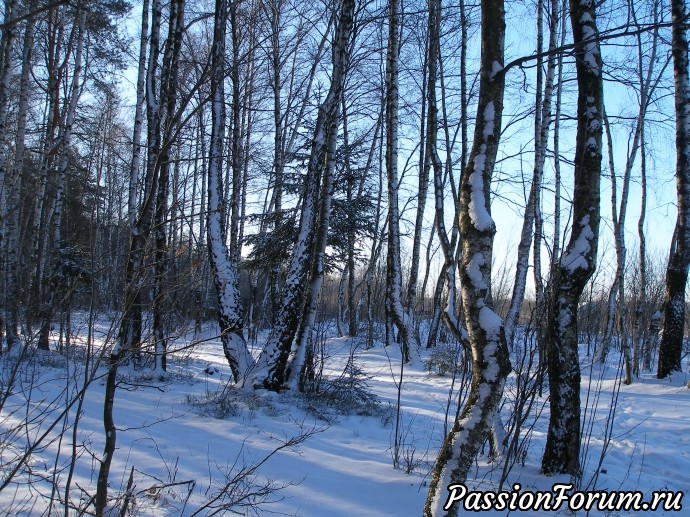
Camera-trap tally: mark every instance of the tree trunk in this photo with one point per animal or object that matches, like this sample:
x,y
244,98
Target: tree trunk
x,y
532,216
273,368
578,262
671,345
490,361
15,181
223,267
394,304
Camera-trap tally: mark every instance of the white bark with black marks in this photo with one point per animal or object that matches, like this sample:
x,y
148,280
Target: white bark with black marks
x,y
273,368
394,303
490,361
578,260
223,268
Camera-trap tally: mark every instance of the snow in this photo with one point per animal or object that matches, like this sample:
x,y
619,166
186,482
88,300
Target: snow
x,y
591,47
490,322
496,67
344,468
576,257
479,214
489,120
475,273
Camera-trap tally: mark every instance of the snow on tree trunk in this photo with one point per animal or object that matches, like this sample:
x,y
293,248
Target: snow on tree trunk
x,y
306,328
223,268
671,345
395,309
129,337
579,258
272,366
168,103
490,361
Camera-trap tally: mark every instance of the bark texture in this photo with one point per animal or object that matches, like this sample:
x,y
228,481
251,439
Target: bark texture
x,y
223,265
395,312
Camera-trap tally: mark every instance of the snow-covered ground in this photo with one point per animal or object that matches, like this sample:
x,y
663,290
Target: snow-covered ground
x,y
187,437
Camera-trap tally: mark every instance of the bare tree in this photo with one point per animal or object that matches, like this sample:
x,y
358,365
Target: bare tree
x,y
394,303
14,182
671,345
490,361
223,263
532,217
273,370
578,261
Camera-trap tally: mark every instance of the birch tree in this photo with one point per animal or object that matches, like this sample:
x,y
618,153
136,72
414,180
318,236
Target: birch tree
x,y
6,50
160,107
672,329
273,368
64,142
165,128
647,80
578,261
14,181
394,303
490,361
223,267
532,216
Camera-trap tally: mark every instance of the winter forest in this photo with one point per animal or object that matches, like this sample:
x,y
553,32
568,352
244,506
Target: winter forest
x,y
344,257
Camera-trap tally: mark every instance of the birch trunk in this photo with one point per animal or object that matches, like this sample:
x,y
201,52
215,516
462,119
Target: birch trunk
x,y
13,293
138,119
449,313
395,308
422,190
223,267
639,352
168,123
43,205
578,261
6,50
65,137
672,330
129,337
272,366
348,291
490,361
532,216
48,236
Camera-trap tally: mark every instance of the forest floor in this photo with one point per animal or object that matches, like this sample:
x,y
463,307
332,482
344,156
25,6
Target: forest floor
x,y
193,444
